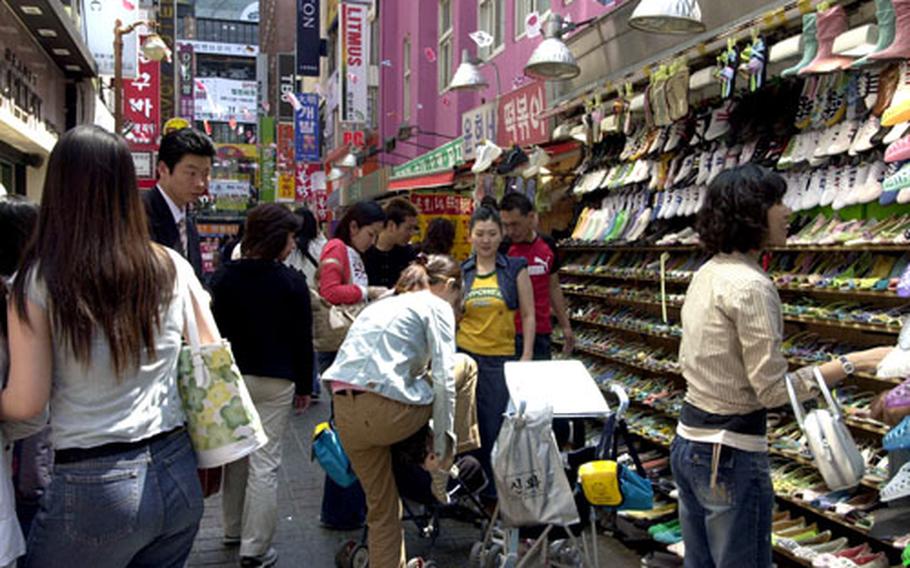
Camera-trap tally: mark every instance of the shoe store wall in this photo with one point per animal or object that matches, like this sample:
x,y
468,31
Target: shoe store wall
x,y
610,45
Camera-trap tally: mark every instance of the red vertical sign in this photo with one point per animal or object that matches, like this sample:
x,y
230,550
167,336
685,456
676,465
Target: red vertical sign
x,y
518,119
142,117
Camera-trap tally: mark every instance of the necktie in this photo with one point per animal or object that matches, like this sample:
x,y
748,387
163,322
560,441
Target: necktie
x,y
181,226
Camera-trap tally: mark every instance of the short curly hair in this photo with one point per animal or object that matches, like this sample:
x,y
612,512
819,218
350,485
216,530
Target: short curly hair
x,y
734,217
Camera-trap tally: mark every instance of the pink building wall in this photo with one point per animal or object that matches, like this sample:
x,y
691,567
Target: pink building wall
x,y
432,111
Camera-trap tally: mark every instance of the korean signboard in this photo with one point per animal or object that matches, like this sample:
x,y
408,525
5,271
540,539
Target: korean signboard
x,y
99,19
226,99
306,128
354,59
141,112
186,72
286,166
218,48
443,158
267,155
286,86
518,120
478,124
167,27
307,175
308,38
456,208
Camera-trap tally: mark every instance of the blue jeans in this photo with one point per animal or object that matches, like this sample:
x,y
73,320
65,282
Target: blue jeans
x,y
492,400
727,525
140,507
543,350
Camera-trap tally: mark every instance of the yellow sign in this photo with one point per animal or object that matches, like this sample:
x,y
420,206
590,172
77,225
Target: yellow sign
x,y
455,208
286,187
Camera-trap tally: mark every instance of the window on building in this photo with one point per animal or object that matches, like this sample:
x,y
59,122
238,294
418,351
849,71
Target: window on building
x,y
525,7
444,54
491,17
224,31
406,80
373,106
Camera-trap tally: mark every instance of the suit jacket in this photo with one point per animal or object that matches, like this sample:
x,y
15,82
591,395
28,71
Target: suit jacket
x,y
164,230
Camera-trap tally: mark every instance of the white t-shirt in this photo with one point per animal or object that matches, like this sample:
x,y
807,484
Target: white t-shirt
x,y
91,406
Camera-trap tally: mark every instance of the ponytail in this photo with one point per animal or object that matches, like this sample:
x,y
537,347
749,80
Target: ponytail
x,y
427,271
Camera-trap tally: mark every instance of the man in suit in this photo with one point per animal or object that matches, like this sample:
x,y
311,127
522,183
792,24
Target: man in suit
x,y
184,166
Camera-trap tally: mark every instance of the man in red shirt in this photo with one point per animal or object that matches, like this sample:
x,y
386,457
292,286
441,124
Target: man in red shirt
x,y
520,223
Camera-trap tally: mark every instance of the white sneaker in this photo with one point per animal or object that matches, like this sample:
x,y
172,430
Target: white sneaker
x,y
833,185
844,138
720,122
862,142
872,186
896,133
684,170
486,154
704,167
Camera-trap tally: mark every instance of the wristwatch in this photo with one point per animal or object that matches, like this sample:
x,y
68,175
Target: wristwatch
x,y
848,365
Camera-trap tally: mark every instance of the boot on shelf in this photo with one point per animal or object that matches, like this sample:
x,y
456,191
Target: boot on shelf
x,y
884,14
900,47
810,46
830,23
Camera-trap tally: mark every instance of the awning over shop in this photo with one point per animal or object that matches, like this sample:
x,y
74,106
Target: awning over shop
x,y
429,181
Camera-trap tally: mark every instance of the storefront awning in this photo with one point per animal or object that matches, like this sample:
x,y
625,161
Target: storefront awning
x,y
429,181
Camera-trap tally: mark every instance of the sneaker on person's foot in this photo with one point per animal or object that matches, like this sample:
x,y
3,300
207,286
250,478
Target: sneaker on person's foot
x,y
270,558
228,540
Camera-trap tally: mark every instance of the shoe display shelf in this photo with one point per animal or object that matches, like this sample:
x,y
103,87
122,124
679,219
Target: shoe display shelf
x,y
617,310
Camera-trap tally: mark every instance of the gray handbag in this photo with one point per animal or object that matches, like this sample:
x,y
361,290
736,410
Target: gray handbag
x,y
836,455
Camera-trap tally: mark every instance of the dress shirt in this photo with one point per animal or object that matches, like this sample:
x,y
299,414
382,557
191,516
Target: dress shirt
x,y
730,352
403,348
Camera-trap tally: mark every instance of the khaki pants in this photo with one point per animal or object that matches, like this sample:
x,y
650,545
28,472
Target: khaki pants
x,y
369,424
465,426
250,492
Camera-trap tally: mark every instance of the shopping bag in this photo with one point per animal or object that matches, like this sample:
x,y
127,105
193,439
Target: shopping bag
x,y
836,456
328,452
210,480
527,469
330,322
222,421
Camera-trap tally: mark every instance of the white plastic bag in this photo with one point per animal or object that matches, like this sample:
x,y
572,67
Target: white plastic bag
x,y
896,364
527,468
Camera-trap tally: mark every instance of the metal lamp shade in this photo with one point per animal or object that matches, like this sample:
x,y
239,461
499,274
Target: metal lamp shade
x,y
334,175
668,17
552,59
154,48
468,75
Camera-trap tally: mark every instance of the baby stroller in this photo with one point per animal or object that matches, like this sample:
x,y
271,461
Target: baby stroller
x,y
500,546
423,509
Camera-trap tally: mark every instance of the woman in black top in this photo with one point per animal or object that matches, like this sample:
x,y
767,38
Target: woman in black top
x,y
263,308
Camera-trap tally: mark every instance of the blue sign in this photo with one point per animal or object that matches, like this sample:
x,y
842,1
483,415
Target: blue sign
x,y
306,128
308,41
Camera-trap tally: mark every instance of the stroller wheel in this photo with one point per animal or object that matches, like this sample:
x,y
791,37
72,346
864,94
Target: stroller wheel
x,y
493,556
352,555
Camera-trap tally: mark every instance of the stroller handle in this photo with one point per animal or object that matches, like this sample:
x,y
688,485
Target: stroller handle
x,y
623,397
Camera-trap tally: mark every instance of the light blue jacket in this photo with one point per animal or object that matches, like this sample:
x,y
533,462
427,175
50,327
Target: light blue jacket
x,y
403,348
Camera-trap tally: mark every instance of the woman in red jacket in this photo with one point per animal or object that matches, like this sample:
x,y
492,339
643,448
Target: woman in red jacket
x,y
343,280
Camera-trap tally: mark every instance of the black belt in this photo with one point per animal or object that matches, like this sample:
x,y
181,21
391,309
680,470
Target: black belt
x,y
72,455
754,423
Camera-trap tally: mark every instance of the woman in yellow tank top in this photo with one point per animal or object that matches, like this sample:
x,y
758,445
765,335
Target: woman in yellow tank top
x,y
495,287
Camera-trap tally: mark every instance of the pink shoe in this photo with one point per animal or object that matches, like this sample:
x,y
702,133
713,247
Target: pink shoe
x,y
831,23
898,151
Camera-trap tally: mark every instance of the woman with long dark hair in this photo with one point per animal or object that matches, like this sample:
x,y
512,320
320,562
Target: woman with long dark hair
x,y
95,326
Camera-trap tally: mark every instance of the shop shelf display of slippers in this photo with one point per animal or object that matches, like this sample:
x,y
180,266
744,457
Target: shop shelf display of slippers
x,y
834,124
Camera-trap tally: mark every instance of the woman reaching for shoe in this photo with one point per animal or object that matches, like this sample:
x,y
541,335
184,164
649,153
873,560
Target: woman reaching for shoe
x,y
731,358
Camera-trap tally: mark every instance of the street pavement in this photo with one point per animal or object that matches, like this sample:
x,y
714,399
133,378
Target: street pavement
x,y
302,543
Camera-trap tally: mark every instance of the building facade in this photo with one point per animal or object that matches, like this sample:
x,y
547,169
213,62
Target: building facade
x,y
46,87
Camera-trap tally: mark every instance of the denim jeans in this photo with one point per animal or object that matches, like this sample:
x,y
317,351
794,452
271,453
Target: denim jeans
x,y
140,507
543,350
728,523
492,400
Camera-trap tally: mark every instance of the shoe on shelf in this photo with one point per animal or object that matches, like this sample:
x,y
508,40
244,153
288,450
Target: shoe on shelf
x,y
269,558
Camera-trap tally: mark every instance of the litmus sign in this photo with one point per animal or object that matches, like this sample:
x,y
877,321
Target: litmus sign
x,y
355,59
